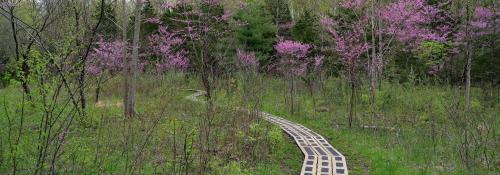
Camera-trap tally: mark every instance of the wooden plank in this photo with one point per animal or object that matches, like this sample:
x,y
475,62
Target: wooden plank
x,y
326,161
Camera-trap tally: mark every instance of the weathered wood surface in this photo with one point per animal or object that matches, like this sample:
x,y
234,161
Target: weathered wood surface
x,y
320,158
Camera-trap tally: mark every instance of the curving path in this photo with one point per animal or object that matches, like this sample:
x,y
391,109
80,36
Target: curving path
x,y
320,158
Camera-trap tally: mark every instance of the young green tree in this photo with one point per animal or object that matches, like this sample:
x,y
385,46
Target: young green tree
x,y
306,29
257,33
282,17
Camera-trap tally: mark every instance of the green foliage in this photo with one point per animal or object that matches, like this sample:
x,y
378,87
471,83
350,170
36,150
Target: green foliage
x,y
169,17
307,29
280,11
230,168
425,127
108,28
431,53
4,78
258,33
148,12
486,65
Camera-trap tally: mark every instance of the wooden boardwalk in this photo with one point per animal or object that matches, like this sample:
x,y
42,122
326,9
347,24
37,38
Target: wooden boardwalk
x,y
320,158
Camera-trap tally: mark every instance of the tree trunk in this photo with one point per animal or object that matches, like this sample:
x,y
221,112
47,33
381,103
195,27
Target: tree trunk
x,y
131,65
353,96
98,90
292,97
468,79
469,60
81,78
351,108
24,66
372,64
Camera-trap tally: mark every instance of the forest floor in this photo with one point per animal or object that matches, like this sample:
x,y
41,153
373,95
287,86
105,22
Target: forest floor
x,y
416,130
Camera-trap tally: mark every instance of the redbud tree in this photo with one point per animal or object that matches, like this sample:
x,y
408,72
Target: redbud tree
x,y
292,63
203,23
347,35
476,31
420,28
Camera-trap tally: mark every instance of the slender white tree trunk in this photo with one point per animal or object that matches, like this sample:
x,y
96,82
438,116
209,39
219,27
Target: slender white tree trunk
x,y
131,62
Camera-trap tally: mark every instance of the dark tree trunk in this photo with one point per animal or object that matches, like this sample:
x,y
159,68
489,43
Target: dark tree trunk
x,y
24,64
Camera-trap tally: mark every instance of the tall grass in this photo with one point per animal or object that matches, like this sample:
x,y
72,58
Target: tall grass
x,y
409,130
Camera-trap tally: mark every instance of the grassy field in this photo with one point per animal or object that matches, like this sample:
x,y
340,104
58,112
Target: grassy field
x,y
410,129
164,138
416,130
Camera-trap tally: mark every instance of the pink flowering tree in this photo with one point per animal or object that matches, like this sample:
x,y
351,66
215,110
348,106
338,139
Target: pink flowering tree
x,y
350,45
420,27
247,62
203,24
293,57
165,46
292,63
313,75
414,21
475,33
407,22
105,59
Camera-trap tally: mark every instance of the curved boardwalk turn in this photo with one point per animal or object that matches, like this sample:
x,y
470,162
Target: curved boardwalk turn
x,y
320,158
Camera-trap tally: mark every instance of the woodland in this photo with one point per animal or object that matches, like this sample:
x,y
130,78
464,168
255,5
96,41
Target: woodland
x,y
100,86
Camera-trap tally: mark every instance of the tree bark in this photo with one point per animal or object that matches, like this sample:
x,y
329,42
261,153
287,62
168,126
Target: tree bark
x,y
469,59
124,52
372,64
131,65
351,109
353,96
83,70
24,66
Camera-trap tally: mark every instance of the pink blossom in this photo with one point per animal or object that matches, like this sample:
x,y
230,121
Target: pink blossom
x,y
410,21
293,57
107,56
93,69
483,12
165,45
318,60
153,21
485,21
292,48
352,4
227,14
169,5
349,44
246,58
